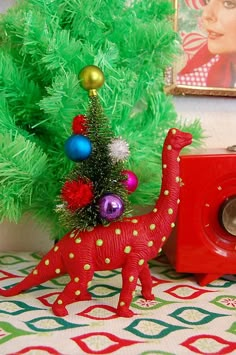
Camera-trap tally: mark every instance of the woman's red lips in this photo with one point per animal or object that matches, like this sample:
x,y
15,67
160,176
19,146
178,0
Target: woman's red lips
x,y
214,35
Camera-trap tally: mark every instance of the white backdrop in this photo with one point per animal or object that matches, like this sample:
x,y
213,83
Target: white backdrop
x,y
217,115
4,4
218,118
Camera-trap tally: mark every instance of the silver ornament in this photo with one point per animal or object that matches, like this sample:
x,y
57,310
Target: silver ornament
x,y
119,150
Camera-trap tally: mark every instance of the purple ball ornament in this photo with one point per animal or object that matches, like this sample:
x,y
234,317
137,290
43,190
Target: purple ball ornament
x,y
78,147
111,207
131,183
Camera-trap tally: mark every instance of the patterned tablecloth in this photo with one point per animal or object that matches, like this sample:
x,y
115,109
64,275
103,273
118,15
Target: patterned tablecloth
x,y
183,319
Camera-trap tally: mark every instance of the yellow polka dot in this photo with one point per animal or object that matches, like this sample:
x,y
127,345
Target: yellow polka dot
x,y
163,239
141,262
89,283
35,272
57,271
76,279
56,248
135,233
154,210
166,192
134,220
178,201
152,226
87,267
78,240
59,302
133,293
77,292
169,147
160,250
131,278
47,262
72,234
150,243
172,225
164,166
107,261
177,179
127,249
117,231
173,131
170,211
71,256
178,159
99,242
122,303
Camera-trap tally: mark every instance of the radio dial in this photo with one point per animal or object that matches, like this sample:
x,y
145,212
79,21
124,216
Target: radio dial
x,y
228,215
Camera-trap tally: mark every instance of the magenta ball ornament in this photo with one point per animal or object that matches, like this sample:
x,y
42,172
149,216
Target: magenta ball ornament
x,y
131,183
111,206
78,147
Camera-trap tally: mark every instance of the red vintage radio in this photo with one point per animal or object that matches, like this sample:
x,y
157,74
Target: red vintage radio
x,y
204,240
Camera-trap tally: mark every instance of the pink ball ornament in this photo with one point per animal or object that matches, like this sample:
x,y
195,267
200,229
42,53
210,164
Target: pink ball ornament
x,y
131,183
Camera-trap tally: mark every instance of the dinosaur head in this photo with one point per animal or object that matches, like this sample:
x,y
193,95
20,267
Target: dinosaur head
x,y
178,139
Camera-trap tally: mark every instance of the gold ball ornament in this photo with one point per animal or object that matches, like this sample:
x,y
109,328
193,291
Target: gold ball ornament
x,y
91,78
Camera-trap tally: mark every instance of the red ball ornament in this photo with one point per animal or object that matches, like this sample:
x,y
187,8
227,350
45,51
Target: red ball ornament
x,y
79,124
77,193
131,183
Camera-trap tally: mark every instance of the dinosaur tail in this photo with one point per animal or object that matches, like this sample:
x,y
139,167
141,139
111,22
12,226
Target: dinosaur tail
x,y
49,267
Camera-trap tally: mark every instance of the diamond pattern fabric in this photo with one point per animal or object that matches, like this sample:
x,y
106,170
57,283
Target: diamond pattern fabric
x,y
183,319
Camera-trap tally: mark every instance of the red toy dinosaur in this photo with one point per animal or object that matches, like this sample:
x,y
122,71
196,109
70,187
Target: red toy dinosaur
x,y
126,244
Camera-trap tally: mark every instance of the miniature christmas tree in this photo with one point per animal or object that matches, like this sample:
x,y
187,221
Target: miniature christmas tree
x,y
97,189
44,46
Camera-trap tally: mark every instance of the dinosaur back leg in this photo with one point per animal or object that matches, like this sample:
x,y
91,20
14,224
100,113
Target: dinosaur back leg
x,y
49,267
75,290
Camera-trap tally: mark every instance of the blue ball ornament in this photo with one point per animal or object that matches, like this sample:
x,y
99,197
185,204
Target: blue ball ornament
x,y
78,147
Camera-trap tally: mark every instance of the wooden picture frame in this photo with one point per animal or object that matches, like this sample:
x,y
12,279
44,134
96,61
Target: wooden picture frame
x,y
193,38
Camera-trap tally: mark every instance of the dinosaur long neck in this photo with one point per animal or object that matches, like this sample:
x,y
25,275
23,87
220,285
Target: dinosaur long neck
x,y
165,211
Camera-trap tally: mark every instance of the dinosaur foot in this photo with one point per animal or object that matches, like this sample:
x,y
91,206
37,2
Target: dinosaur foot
x,y
59,310
148,296
124,312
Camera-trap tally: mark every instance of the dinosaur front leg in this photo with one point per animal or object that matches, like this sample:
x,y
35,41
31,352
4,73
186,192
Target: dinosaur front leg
x,y
129,279
146,282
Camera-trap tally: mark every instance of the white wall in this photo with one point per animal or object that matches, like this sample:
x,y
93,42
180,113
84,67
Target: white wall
x,y
4,4
218,118
24,236
217,115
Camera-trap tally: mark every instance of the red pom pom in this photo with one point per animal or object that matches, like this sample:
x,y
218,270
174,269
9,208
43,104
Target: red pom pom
x,y
77,194
79,124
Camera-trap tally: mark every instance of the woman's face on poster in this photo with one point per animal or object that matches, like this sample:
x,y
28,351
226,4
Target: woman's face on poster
x,y
219,19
